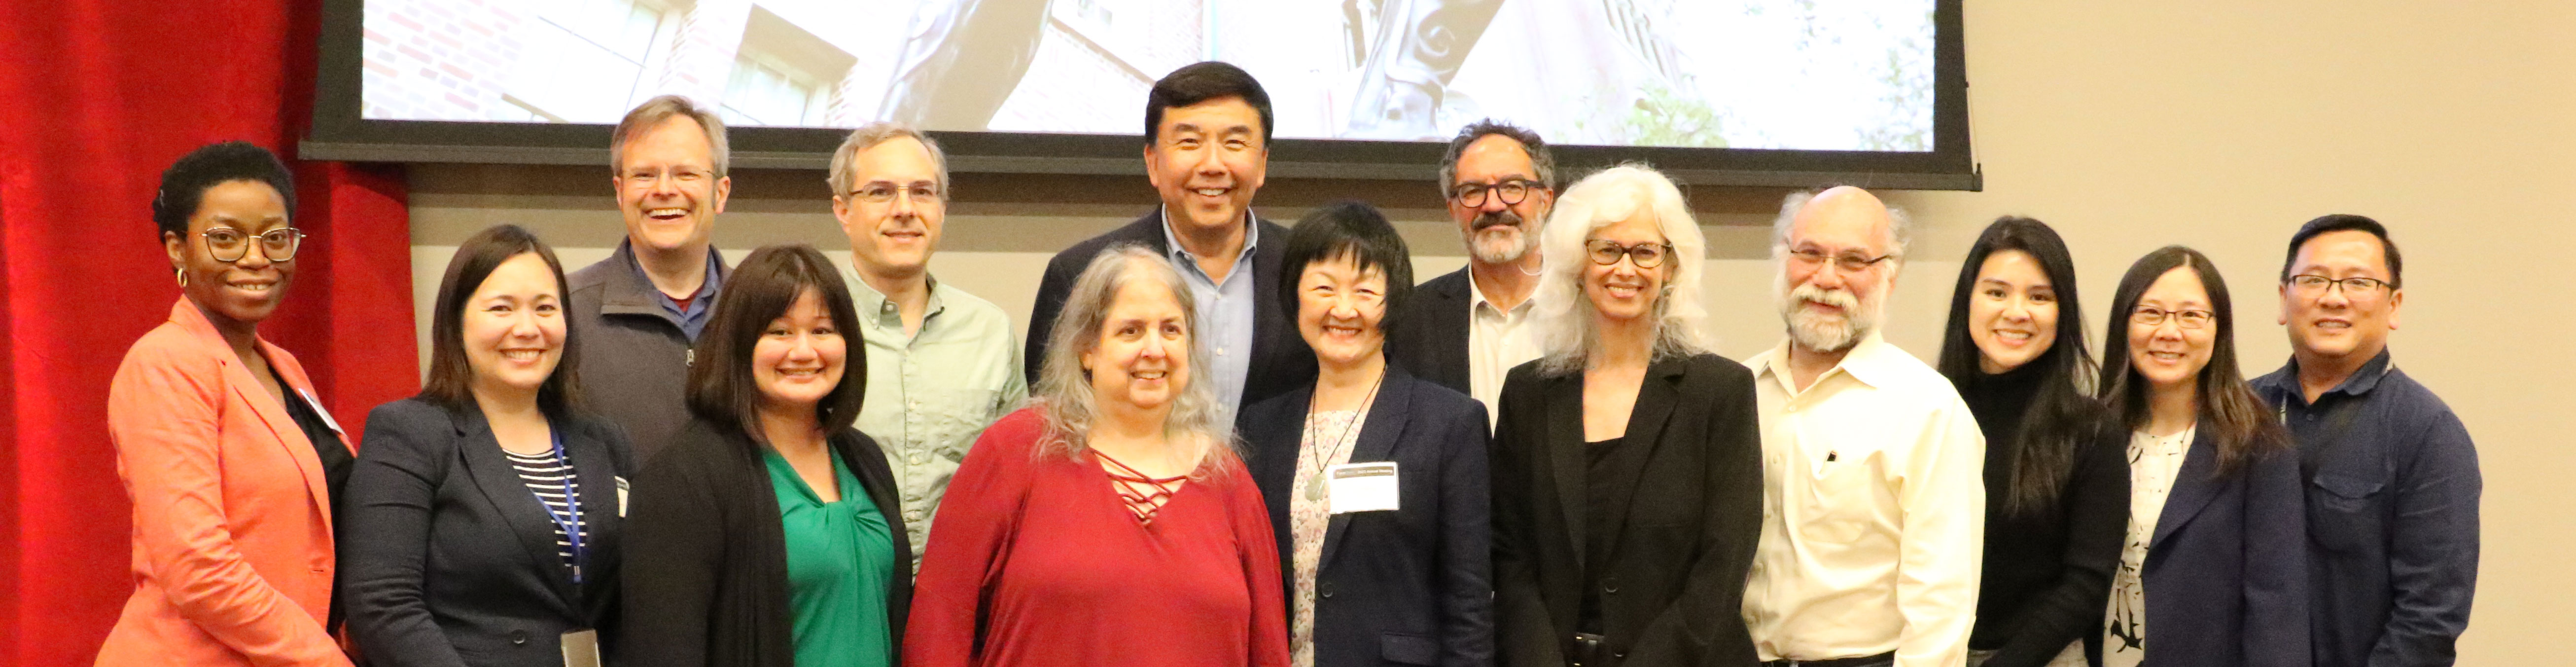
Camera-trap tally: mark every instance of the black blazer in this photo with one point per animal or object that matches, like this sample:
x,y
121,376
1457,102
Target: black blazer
x,y
706,583
1412,586
451,560
1430,338
1672,586
2227,570
1280,359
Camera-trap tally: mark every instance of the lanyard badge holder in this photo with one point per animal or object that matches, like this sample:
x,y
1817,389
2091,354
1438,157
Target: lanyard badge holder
x,y
569,521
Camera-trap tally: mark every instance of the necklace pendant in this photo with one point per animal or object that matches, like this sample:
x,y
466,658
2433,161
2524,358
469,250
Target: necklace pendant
x,y
1315,488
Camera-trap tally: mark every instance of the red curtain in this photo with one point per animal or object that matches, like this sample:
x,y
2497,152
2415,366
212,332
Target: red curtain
x,y
96,97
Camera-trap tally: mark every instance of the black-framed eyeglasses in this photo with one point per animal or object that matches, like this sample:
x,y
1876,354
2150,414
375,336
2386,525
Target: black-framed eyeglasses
x,y
1847,262
1512,192
1647,255
2148,316
2316,285
921,194
230,245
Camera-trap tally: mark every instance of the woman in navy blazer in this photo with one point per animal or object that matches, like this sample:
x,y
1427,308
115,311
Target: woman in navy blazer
x,y
2214,568
459,544
1408,585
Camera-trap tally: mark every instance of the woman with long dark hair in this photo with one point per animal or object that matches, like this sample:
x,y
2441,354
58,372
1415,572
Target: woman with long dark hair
x,y
2057,487
2215,496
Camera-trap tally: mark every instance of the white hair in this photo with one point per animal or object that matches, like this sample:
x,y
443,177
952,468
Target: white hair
x,y
1063,390
1861,315
1900,226
1566,318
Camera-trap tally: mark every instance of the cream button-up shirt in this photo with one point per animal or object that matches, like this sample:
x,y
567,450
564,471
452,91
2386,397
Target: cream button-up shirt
x,y
1497,340
1873,512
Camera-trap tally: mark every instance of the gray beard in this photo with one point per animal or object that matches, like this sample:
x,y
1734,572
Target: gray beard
x,y
1828,333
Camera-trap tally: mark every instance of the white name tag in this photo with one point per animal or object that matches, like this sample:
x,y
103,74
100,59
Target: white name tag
x,y
1361,487
581,648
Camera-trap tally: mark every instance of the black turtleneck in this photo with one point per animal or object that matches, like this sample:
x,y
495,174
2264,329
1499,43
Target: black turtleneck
x,y
2047,573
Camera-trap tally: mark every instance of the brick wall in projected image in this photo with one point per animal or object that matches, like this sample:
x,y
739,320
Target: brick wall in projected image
x,y
764,62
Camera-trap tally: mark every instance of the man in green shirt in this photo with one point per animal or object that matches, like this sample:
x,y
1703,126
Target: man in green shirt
x,y
941,363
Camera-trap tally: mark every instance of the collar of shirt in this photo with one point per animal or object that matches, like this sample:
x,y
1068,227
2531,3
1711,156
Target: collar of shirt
x,y
1872,361
2284,383
1478,304
1189,262
701,303
876,311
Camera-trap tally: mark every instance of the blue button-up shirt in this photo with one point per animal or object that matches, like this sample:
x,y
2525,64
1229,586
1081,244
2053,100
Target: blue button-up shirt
x,y
1226,312
2392,487
692,319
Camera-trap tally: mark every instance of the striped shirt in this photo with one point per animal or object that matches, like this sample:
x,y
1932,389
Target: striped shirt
x,y
547,476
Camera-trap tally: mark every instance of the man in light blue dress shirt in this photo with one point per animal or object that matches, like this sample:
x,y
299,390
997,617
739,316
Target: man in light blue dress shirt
x,y
940,363
1206,152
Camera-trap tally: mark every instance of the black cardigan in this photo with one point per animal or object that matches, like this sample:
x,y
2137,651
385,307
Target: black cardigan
x,y
2047,574
706,556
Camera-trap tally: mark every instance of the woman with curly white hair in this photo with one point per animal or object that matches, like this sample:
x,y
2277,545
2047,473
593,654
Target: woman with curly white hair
x,y
1627,464
1110,522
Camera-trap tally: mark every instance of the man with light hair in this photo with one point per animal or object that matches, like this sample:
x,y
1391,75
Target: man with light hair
x,y
1873,495
941,364
1467,329
639,310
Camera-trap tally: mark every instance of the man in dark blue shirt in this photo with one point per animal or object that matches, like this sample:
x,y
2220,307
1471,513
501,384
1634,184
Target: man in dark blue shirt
x,y
2392,479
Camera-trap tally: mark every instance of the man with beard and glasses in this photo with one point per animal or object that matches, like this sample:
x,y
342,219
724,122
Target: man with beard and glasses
x,y
1872,487
1467,329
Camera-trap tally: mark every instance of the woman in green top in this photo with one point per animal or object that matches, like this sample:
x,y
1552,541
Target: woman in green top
x,y
768,533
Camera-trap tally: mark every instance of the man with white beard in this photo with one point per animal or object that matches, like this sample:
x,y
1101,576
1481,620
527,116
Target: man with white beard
x,y
1467,329
1873,497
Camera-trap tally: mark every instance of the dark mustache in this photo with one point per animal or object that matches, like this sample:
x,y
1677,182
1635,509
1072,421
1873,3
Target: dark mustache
x,y
1493,218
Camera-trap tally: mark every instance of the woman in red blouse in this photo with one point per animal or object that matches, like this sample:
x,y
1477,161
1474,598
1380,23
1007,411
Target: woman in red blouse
x,y
1109,523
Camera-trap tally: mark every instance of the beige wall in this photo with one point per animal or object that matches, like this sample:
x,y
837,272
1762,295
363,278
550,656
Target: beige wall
x,y
2126,125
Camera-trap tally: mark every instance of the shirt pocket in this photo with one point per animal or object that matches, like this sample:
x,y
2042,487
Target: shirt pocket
x,y
2344,512
1839,500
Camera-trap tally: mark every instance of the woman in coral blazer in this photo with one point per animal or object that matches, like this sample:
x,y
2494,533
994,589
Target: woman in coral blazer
x,y
229,460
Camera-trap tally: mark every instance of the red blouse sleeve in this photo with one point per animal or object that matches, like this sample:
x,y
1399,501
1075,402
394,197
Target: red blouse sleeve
x,y
976,518
1260,554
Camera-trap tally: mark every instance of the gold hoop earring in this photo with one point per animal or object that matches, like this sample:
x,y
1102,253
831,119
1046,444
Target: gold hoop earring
x,y
183,277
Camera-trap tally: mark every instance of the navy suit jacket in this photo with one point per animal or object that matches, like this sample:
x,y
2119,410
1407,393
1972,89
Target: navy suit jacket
x,y
1430,338
1280,359
2227,571
1407,587
451,560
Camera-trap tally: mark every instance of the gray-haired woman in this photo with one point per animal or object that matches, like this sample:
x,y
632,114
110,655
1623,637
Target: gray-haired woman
x,y
1109,523
1628,461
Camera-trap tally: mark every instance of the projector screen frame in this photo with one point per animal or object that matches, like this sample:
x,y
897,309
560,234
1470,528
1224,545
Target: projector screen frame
x,y
339,132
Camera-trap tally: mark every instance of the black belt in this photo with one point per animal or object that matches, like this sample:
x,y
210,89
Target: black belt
x,y
1863,661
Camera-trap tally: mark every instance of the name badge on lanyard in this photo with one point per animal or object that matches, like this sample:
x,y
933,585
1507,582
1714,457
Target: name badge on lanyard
x,y
569,520
1361,487
581,648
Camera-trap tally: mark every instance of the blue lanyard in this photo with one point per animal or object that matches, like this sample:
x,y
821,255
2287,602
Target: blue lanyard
x,y
570,525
